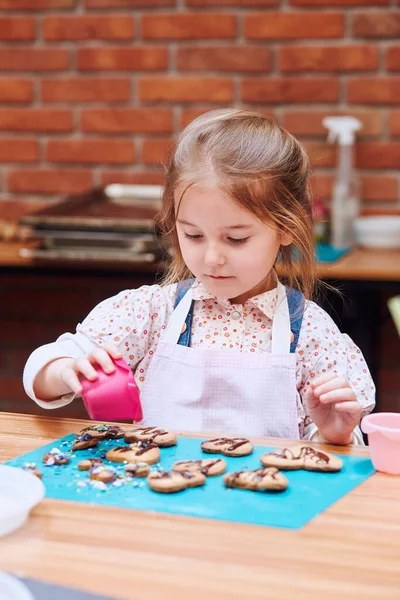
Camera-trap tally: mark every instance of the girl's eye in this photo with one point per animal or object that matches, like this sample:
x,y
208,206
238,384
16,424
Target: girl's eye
x,y
239,240
192,237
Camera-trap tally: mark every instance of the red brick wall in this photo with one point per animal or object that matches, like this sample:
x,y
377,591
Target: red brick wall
x,y
91,91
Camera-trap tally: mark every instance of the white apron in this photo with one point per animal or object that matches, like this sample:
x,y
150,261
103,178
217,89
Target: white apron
x,y
226,391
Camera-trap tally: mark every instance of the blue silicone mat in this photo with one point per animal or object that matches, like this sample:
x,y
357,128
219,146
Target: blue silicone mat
x,y
307,495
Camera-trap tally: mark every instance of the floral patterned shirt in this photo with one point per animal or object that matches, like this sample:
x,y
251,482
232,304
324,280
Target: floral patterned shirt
x,y
135,319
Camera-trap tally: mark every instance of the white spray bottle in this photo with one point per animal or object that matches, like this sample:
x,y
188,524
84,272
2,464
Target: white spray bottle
x,y
345,205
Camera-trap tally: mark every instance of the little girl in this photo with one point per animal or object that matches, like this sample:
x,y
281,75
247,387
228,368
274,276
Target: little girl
x,y
222,345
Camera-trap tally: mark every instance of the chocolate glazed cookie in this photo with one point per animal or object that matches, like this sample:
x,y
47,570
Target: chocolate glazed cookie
x,y
161,437
266,479
302,457
208,466
141,452
228,446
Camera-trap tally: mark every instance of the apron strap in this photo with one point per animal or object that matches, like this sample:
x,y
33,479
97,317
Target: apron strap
x,y
296,305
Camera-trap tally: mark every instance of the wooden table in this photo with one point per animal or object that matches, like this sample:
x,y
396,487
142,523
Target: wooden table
x,y
351,551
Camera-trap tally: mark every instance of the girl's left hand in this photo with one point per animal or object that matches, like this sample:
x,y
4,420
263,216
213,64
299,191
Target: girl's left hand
x,y
333,408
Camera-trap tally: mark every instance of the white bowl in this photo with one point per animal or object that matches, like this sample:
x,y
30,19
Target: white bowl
x,y
20,491
378,232
13,589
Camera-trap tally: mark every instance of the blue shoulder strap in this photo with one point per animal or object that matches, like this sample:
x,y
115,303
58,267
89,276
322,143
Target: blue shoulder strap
x,y
296,311
182,288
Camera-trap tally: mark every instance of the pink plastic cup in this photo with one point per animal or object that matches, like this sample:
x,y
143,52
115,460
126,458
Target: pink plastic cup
x,y
383,430
114,396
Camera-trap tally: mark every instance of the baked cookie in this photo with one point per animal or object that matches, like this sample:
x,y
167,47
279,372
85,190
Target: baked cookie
x,y
208,466
266,479
161,437
103,474
103,432
89,463
55,457
139,469
85,441
140,452
169,482
302,457
31,468
228,446
194,478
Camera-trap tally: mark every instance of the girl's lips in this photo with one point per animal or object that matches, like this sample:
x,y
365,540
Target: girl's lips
x,y
218,277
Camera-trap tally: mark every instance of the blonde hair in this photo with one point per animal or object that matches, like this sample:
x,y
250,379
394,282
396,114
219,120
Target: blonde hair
x,y
260,166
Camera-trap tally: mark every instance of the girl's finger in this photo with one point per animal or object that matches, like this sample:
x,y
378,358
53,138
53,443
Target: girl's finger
x,y
353,408
84,366
103,359
338,395
323,379
328,386
71,379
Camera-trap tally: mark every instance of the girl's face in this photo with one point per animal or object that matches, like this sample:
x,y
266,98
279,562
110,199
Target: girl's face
x,y
226,247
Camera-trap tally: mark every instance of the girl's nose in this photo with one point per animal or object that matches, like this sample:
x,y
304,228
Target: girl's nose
x,y
213,257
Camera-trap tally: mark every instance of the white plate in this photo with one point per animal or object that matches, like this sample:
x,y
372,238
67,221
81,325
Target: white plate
x,y
13,589
20,491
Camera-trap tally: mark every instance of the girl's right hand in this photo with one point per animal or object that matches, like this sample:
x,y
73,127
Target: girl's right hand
x,y
71,371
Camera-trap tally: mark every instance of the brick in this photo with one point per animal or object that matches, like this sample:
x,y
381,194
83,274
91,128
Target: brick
x,y
129,177
378,155
368,211
309,123
235,3
377,24
128,3
224,58
293,25
122,59
378,188
86,90
35,119
17,28
16,90
91,151
321,154
393,58
33,59
286,89
82,27
36,4
127,120
339,3
156,151
373,90
394,122
19,150
46,181
189,26
328,58
185,89
323,186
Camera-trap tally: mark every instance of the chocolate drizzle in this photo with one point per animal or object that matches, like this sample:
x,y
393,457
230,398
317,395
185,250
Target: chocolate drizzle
x,y
234,442
306,451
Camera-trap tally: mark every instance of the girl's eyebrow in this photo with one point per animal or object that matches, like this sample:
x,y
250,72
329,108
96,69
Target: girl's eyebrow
x,y
183,222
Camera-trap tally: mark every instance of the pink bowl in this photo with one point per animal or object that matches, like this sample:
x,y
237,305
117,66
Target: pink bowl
x,y
383,430
114,396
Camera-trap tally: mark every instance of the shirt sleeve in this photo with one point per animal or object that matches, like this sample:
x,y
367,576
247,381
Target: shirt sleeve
x,y
323,348
133,320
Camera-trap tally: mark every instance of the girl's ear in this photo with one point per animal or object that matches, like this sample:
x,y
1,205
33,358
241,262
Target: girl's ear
x,y
285,238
